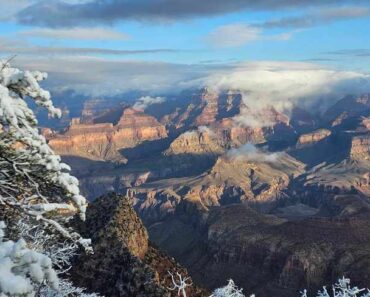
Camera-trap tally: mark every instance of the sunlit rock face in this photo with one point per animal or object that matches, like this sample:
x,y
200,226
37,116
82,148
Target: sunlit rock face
x,y
313,137
102,141
360,147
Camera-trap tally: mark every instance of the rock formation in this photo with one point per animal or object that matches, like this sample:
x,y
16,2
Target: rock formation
x,y
360,147
197,142
349,106
103,141
275,217
124,262
365,121
273,257
231,180
210,110
313,137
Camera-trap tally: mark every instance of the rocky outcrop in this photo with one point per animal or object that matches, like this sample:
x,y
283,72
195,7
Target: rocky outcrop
x,y
313,137
210,110
340,119
233,134
197,142
215,139
349,106
360,147
124,262
205,107
102,141
365,122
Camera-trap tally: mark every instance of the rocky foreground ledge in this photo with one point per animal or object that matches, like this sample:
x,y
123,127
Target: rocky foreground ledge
x,y
124,263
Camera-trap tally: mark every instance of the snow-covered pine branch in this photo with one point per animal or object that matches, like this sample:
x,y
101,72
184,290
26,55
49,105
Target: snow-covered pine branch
x,y
22,269
37,191
32,178
60,251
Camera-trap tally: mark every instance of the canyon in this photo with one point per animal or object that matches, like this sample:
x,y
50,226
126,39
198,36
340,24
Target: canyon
x,y
232,191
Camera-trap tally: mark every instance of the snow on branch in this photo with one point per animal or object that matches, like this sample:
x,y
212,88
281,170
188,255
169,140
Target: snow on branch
x,y
22,269
230,290
36,190
33,179
19,131
341,289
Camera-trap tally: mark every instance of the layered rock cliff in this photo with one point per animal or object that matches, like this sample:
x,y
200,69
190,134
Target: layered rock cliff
x,y
210,110
103,141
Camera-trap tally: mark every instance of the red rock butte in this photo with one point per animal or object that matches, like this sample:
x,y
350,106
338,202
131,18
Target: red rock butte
x,y
101,141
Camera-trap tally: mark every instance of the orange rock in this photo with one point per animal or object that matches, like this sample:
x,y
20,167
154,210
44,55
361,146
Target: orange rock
x,y
104,140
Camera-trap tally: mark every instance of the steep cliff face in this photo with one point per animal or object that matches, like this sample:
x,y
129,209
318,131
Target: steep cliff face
x,y
103,141
265,254
134,127
205,107
210,110
280,256
124,262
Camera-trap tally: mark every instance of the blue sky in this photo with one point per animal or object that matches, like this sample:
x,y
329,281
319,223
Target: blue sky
x,y
207,35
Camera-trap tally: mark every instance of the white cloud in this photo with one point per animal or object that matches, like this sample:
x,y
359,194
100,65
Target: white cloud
x,y
99,76
144,102
284,85
254,120
77,34
251,153
236,35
